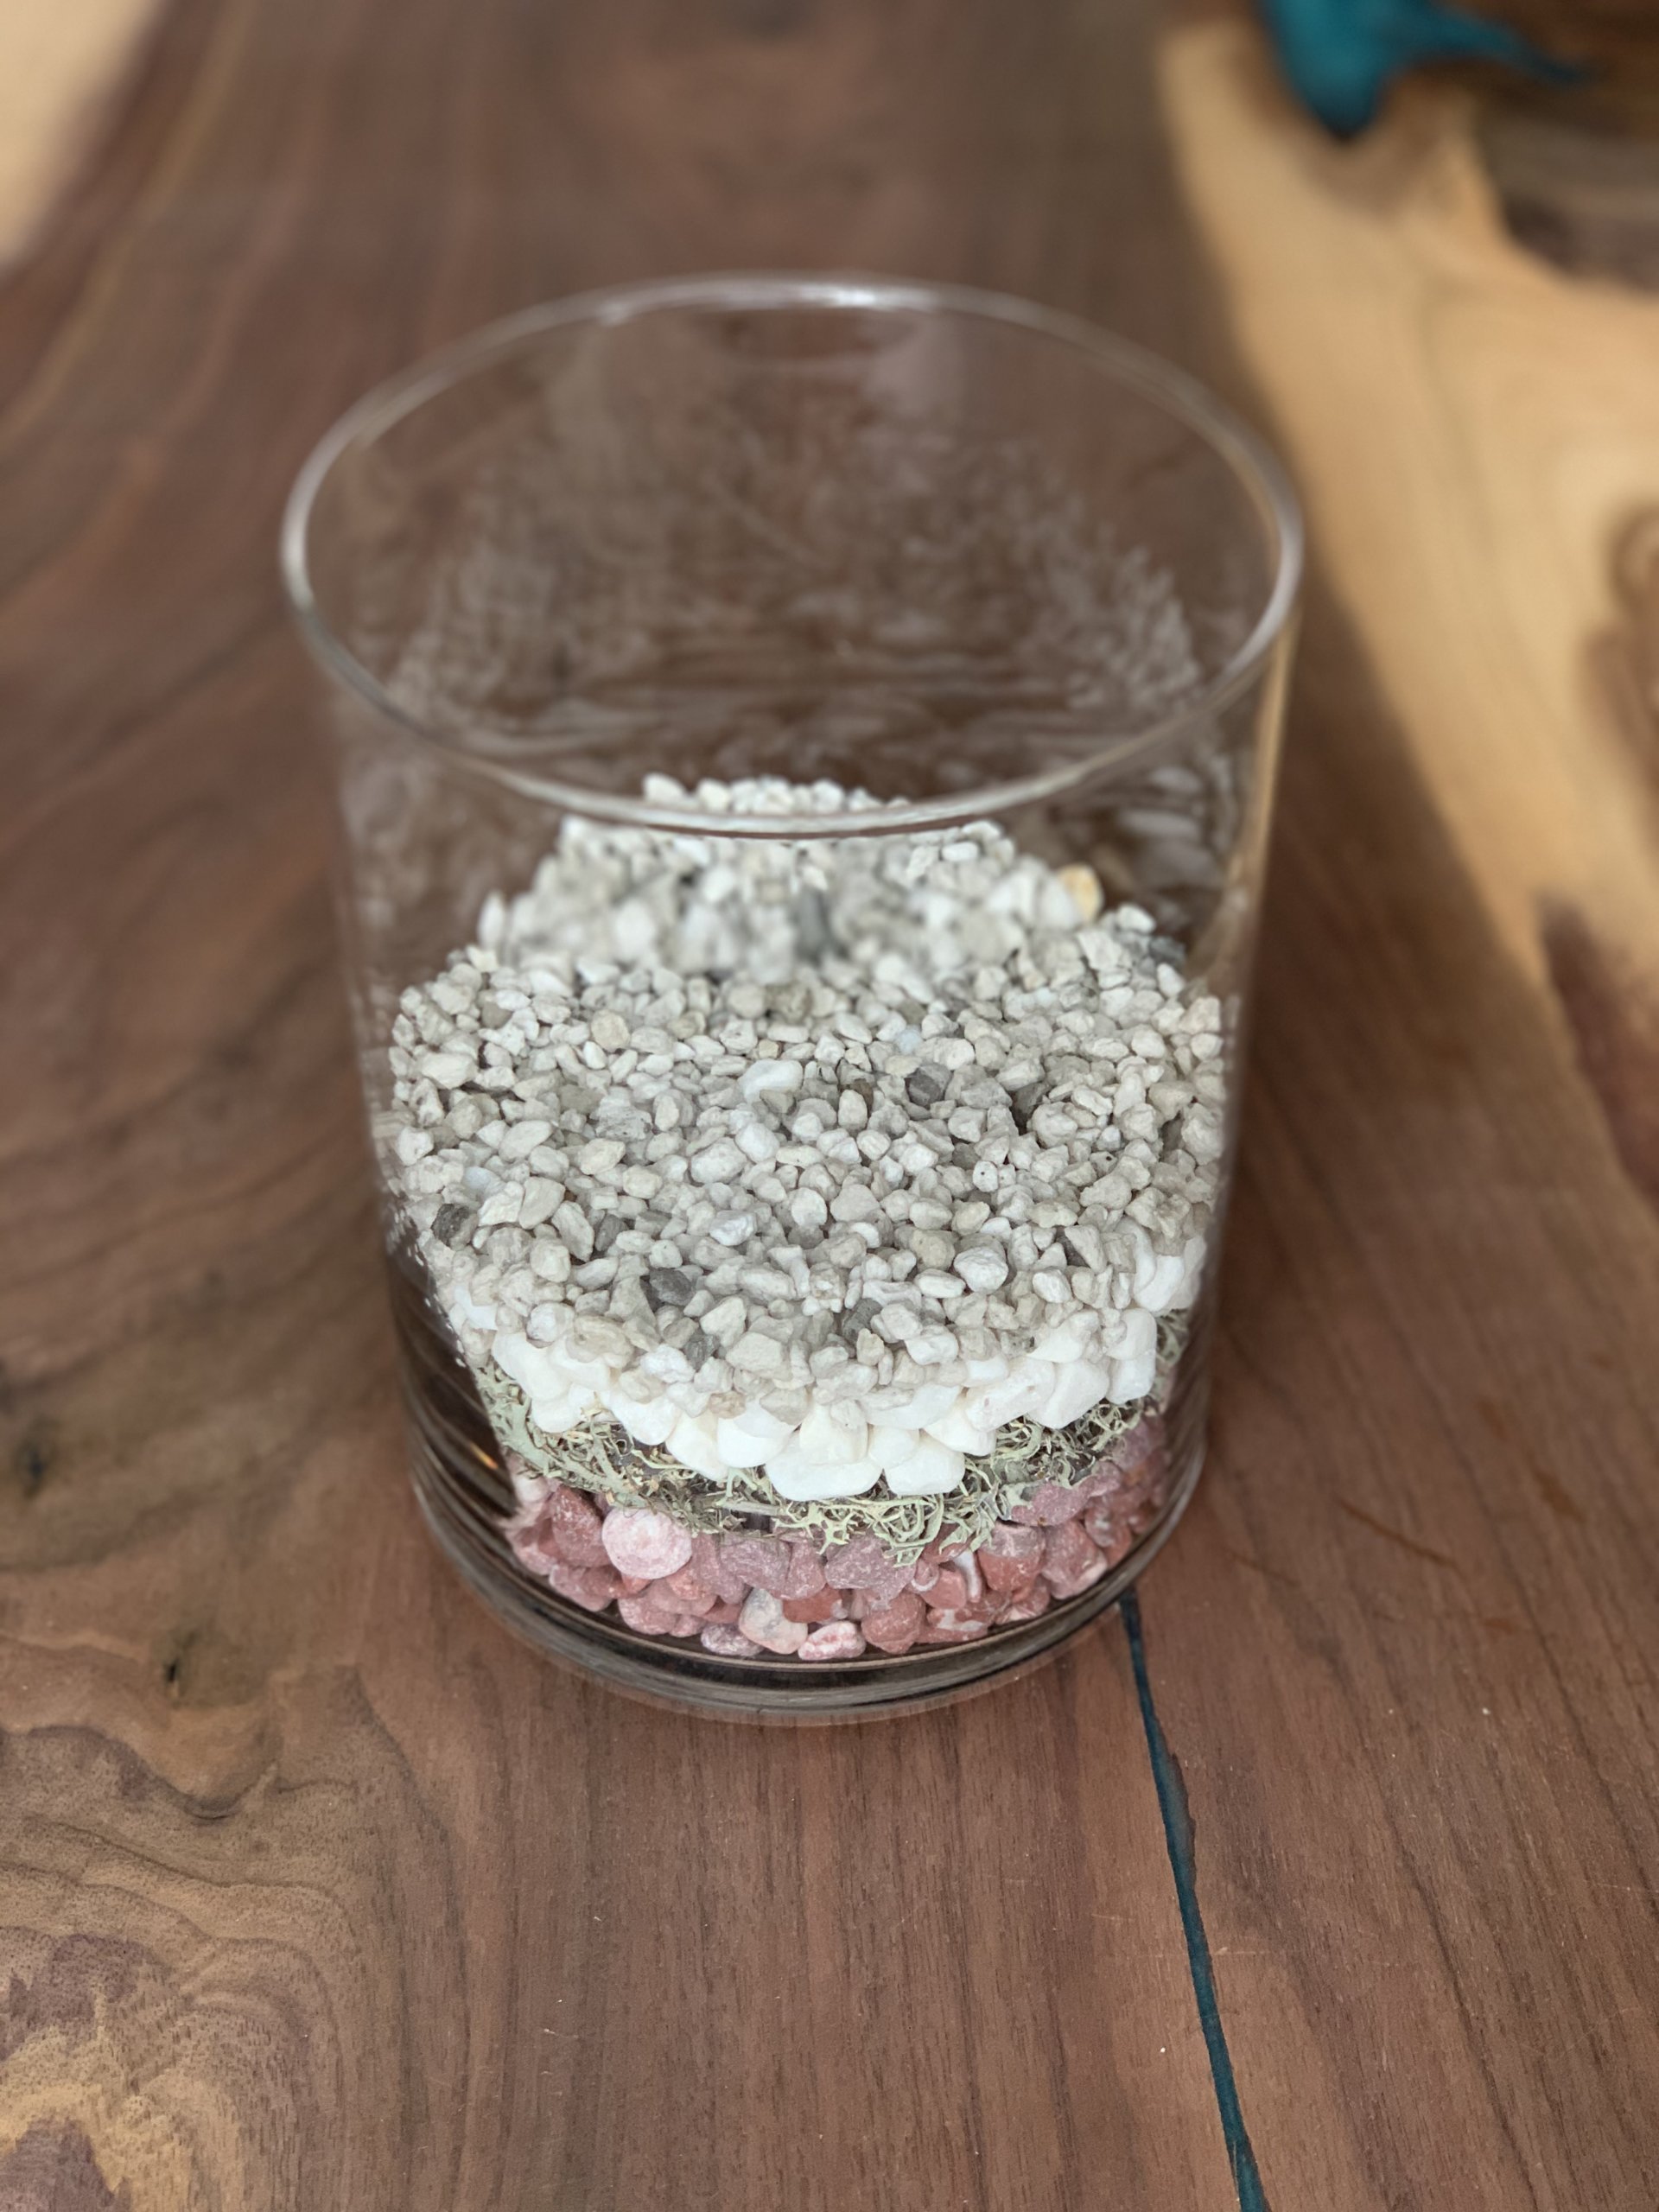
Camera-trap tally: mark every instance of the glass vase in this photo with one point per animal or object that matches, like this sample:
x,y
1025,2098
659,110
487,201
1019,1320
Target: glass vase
x,y
805,749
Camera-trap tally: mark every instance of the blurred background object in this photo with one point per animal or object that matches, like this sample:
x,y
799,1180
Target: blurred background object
x,y
61,66
1341,56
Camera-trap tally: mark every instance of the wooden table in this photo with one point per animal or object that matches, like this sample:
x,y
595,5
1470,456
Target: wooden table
x,y
1327,1879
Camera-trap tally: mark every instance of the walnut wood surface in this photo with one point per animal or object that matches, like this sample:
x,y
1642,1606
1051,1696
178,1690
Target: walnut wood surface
x,y
316,1889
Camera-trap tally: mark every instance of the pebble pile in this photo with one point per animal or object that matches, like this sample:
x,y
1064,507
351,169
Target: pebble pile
x,y
822,1159
747,1595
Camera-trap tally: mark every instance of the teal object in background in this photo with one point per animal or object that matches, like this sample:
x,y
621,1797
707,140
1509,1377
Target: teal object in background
x,y
1342,56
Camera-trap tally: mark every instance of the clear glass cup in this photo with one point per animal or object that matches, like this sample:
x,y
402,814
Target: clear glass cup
x,y
805,749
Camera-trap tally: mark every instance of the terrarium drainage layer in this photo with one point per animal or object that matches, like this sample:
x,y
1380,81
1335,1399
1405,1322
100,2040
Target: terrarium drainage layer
x,y
817,1217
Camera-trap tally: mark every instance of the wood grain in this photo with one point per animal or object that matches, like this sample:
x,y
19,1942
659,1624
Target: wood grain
x,y
1474,431
62,67
1420,1709
318,1890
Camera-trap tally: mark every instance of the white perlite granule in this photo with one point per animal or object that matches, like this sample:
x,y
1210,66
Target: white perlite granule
x,y
831,1157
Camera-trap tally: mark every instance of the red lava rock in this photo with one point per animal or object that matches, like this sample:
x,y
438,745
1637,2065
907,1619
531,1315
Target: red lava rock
x,y
590,1587
1050,1506
1028,1605
824,1604
892,1628
642,1542
949,1592
1071,1561
836,1640
763,1561
1009,1557
951,1627
805,1573
725,1642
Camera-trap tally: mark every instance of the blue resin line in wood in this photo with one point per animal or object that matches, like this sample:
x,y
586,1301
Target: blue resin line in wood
x,y
1178,1836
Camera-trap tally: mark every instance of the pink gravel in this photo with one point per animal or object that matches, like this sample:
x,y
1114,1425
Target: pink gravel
x,y
824,1604
1072,1561
726,1643
806,1576
896,1626
749,1595
593,1588
763,1561
836,1640
640,1543
1049,1506
1009,1558
862,1565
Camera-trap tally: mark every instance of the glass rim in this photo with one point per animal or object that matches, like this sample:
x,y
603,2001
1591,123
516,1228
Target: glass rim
x,y
1250,461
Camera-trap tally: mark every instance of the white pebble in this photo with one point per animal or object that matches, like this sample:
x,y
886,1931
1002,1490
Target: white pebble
x,y
808,1210
981,1267
720,1162
768,1075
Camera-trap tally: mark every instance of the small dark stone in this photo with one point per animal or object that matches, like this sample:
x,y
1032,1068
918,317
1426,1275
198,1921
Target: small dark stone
x,y
452,1222
861,1316
696,1349
927,1085
606,1229
1025,1101
669,1285
966,1158
865,1088
813,934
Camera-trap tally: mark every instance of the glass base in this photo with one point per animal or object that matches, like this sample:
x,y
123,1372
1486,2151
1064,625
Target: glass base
x,y
466,1497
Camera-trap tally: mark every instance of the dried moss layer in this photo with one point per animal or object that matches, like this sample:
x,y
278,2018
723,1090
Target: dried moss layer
x,y
600,1457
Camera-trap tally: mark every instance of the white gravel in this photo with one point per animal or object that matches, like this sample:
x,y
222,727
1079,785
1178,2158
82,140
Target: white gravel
x,y
832,1156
